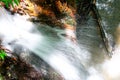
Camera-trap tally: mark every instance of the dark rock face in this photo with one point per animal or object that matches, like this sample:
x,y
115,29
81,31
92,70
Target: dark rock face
x,y
17,69
83,9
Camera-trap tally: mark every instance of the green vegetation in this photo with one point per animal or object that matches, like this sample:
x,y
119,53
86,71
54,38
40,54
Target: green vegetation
x,y
1,77
10,2
2,54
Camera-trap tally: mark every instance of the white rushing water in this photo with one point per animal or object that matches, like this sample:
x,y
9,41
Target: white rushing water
x,y
73,62
16,29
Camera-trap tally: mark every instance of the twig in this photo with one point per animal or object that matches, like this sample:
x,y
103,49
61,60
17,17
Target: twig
x,y
103,33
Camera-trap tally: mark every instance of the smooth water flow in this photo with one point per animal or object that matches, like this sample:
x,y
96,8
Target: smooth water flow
x,y
86,60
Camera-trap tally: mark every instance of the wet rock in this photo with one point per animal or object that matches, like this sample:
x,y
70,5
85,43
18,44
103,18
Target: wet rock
x,y
17,69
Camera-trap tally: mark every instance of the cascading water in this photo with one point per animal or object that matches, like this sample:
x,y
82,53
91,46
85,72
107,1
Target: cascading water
x,y
45,42
84,61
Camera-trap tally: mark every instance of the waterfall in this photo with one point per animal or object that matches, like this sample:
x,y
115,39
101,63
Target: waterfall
x,y
86,60
45,42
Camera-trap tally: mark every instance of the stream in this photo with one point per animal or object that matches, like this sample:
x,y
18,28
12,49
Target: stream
x,y
87,60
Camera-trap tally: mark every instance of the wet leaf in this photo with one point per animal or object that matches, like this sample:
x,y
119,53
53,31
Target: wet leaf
x,y
16,2
10,2
2,54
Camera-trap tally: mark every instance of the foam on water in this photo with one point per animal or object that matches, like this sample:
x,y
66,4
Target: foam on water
x,y
16,28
